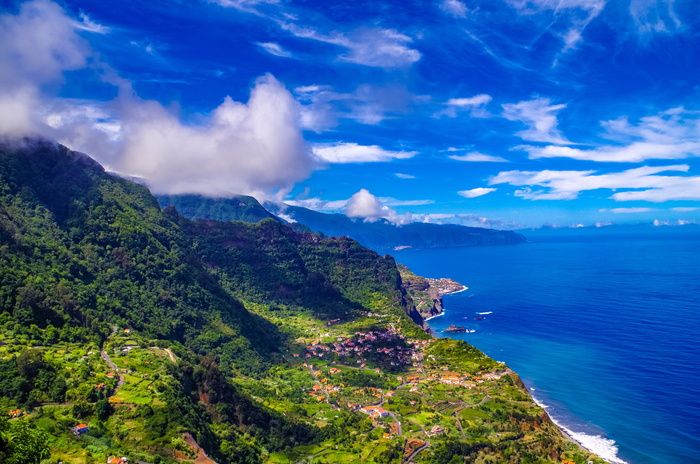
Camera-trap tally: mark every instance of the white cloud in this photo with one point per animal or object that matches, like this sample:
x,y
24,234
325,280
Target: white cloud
x,y
685,209
89,25
350,152
401,175
254,147
640,184
274,49
476,100
671,134
477,157
39,43
475,106
569,18
627,210
655,16
367,104
383,48
374,47
540,115
454,8
476,192
366,206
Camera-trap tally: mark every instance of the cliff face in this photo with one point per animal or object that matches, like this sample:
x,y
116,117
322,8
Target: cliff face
x,y
427,293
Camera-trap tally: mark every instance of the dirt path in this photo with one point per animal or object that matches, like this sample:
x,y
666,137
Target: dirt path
x,y
202,457
115,369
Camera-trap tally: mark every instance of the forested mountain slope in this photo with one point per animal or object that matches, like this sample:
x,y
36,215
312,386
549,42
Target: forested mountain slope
x,y
130,331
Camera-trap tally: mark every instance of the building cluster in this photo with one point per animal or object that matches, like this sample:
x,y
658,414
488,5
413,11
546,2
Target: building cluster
x,y
384,346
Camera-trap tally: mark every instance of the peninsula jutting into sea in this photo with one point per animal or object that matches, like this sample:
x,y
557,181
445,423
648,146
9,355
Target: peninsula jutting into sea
x,y
335,232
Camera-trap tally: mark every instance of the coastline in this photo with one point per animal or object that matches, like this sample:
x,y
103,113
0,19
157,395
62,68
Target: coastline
x,y
603,447
463,289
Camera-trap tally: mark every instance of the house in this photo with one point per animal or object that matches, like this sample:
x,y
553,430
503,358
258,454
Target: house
x,y
117,460
80,429
436,430
333,370
110,374
15,413
375,412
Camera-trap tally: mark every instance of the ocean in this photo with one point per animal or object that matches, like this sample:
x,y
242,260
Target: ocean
x,y
604,330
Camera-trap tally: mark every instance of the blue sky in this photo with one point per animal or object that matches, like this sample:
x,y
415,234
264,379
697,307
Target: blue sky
x,y
498,113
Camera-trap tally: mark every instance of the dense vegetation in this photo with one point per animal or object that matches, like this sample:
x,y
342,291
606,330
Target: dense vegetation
x,y
236,208
126,330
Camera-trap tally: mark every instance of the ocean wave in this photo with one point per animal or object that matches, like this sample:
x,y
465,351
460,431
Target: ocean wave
x,y
485,313
604,447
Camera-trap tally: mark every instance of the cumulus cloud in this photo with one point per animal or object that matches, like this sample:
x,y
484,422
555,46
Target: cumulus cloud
x,y
454,8
639,184
350,152
477,157
540,117
254,147
476,192
366,206
671,134
39,43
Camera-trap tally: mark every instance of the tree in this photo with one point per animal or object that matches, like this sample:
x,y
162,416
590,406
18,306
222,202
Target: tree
x,y
24,444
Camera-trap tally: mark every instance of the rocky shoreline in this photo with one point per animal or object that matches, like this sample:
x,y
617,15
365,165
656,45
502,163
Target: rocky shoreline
x,y
427,292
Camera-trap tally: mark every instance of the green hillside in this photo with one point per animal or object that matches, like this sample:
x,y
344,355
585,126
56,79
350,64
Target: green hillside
x,y
174,340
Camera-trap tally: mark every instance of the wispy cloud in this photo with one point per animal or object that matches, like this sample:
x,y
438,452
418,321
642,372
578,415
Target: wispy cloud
x,y
475,106
477,157
671,134
351,152
540,116
368,104
639,184
402,175
637,210
89,25
566,18
274,49
455,8
655,16
476,192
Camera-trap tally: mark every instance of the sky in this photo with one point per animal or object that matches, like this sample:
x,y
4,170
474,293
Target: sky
x,y
496,113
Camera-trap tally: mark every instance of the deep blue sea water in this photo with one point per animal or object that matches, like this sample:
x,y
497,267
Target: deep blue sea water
x,y
605,331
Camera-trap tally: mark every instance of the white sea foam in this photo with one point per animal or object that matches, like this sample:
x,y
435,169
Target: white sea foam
x,y
485,313
437,315
606,448
463,289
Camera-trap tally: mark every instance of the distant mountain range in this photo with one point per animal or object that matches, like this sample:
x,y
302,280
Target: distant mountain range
x,y
379,235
